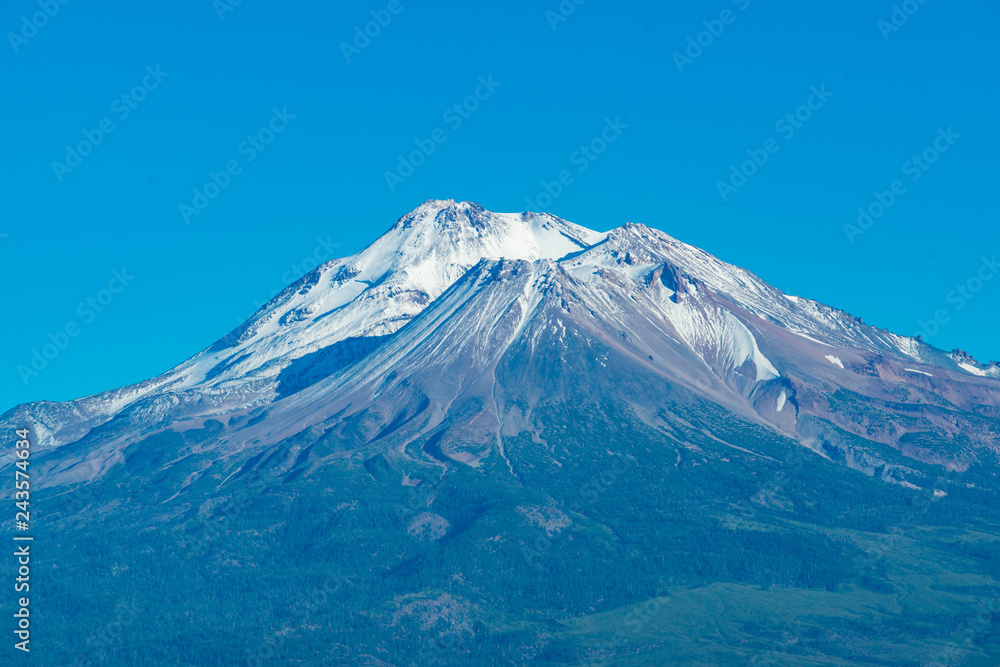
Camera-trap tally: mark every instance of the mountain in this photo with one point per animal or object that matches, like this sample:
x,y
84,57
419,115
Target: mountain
x,y
795,365
354,302
613,420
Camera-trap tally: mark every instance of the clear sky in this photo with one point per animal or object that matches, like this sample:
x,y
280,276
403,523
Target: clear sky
x,y
190,88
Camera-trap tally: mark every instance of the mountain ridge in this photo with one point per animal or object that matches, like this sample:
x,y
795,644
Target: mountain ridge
x,y
679,312
525,456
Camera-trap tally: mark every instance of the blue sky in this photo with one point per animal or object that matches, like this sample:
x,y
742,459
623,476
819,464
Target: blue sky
x,y
206,89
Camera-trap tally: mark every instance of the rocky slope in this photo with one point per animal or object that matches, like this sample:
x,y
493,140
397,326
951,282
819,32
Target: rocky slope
x,y
418,323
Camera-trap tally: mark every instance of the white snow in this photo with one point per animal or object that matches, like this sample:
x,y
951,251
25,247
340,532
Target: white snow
x,y
717,333
379,290
972,369
632,249
908,346
809,338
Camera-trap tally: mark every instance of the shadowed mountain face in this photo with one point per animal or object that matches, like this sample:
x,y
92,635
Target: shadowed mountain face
x,y
619,424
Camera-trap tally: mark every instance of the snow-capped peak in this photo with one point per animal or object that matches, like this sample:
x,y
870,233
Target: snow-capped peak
x,y
378,290
727,320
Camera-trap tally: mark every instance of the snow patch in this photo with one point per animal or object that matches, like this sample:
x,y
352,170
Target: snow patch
x,y
972,369
782,397
810,338
720,331
908,346
914,370
765,369
835,360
